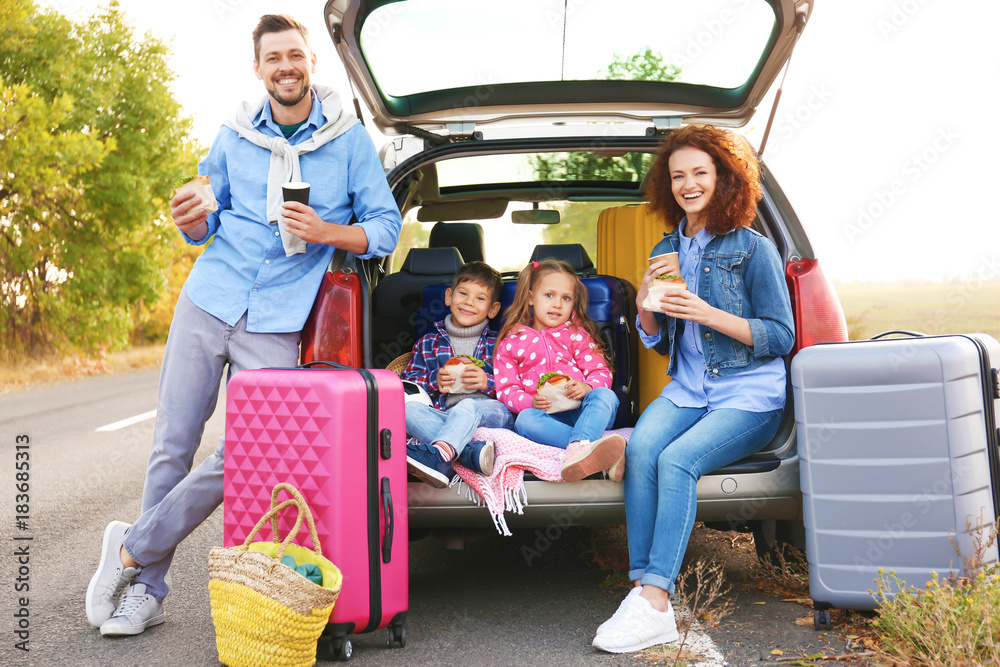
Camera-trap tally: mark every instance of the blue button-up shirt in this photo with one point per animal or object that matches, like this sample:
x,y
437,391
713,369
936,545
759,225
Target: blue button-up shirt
x,y
244,269
758,390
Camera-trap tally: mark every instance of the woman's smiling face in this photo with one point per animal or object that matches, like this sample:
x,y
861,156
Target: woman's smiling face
x,y
692,180
553,299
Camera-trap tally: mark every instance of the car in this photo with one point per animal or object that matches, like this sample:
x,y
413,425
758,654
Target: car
x,y
519,128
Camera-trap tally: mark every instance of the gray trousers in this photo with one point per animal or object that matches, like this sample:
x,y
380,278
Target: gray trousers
x,y
175,500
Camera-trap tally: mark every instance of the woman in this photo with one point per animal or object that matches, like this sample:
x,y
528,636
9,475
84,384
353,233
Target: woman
x,y
725,337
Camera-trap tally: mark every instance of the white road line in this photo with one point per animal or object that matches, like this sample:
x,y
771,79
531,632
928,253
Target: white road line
x,y
128,422
699,643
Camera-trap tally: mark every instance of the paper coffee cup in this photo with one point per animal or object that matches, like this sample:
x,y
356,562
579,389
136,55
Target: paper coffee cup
x,y
674,261
296,191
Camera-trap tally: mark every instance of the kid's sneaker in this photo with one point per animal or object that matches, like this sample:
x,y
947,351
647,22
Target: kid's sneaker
x,y
424,463
478,456
616,473
583,459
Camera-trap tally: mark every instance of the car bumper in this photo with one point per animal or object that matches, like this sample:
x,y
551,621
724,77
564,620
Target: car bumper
x,y
734,499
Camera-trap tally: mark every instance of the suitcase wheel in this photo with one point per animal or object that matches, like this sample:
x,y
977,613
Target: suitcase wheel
x,y
341,648
823,620
397,635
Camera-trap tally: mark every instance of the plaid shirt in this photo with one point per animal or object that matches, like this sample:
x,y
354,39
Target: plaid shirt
x,y
432,351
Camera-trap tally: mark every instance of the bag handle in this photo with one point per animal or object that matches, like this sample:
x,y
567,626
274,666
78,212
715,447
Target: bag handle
x,y
303,509
267,517
272,515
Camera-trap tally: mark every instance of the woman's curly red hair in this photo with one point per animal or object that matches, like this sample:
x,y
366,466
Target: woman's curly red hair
x,y
737,188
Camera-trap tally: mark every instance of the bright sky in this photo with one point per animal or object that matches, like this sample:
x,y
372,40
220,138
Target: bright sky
x,y
880,141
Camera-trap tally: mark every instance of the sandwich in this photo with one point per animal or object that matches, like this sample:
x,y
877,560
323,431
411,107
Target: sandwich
x,y
456,366
553,387
671,282
663,285
554,379
464,359
201,187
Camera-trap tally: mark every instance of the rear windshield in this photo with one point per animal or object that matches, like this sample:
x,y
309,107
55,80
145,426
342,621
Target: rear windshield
x,y
426,45
507,245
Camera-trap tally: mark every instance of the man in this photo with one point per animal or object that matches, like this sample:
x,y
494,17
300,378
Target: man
x,y
247,297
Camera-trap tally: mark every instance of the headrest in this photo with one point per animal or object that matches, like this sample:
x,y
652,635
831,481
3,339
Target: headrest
x,y
573,254
432,262
466,236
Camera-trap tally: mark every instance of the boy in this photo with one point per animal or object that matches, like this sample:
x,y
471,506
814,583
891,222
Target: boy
x,y
443,432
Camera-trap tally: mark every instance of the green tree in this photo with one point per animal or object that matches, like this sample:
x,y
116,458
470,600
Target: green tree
x,y
644,65
91,139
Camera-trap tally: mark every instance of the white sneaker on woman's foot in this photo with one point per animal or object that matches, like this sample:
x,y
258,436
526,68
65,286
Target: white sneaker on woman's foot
x,y
642,626
618,616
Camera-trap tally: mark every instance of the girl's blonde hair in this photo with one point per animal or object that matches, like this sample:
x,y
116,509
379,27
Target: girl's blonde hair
x,y
519,311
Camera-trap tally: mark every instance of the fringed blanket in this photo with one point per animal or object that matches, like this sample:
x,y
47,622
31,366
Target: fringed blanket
x,y
504,489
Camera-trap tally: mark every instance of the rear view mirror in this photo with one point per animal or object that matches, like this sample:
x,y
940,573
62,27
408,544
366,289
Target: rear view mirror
x,y
535,217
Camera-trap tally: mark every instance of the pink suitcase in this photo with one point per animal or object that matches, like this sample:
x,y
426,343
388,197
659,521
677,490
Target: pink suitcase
x,y
338,434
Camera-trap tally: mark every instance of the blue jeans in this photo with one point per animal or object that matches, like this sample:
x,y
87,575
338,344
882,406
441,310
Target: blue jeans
x,y
456,424
588,422
670,449
176,500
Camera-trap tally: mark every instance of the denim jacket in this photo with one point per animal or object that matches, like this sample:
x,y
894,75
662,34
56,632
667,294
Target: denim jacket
x,y
742,274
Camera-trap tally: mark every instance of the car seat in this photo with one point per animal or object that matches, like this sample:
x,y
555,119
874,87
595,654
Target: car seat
x,y
398,296
466,236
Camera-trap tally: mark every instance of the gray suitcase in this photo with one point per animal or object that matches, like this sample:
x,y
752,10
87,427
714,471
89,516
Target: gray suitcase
x,y
898,447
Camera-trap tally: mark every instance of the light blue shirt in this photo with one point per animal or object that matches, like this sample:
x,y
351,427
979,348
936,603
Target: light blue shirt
x,y
244,269
761,389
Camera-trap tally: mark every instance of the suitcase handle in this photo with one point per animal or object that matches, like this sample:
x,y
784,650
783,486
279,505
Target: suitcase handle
x,y
331,364
390,521
900,332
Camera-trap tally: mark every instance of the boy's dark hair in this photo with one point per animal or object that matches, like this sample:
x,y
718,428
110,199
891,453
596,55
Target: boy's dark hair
x,y
480,273
276,23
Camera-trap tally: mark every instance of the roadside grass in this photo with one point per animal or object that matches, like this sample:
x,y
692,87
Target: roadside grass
x,y
952,621
784,573
15,376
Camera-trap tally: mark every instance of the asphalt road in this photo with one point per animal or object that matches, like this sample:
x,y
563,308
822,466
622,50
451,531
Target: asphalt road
x,y
483,605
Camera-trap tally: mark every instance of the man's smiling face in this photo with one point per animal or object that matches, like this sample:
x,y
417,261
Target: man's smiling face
x,y
285,63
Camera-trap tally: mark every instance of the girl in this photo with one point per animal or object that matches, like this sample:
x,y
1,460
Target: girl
x,y
546,329
726,338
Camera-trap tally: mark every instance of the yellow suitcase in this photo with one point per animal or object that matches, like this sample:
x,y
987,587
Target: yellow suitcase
x,y
625,236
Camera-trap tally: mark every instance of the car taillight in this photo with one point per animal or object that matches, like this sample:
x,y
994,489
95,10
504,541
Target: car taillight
x,y
333,330
819,317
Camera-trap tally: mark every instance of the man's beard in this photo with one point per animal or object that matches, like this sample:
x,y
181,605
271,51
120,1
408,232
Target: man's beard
x,y
289,101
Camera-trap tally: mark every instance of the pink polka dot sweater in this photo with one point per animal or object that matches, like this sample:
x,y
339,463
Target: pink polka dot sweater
x,y
525,354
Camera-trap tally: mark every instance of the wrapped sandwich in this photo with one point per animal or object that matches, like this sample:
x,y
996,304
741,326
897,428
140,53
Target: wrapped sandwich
x,y
455,367
553,387
201,187
668,283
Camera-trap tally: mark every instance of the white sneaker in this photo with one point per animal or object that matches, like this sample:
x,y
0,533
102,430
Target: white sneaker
x,y
642,626
619,615
139,610
111,578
